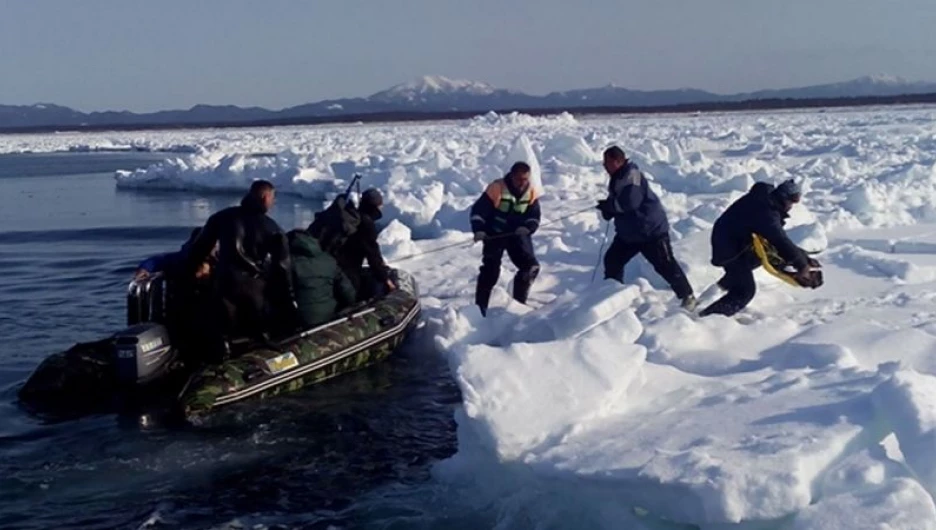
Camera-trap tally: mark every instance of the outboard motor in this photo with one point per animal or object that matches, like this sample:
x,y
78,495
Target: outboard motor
x,y
143,353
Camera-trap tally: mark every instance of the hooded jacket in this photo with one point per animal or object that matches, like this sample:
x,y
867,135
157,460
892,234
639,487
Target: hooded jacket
x,y
321,288
758,211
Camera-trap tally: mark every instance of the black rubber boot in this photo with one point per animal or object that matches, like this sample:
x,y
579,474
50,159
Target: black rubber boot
x,y
482,297
523,281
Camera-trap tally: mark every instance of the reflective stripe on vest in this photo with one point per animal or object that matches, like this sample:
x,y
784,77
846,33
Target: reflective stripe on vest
x,y
508,203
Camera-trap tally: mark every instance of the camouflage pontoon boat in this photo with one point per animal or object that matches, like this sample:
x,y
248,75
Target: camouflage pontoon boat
x,y
139,366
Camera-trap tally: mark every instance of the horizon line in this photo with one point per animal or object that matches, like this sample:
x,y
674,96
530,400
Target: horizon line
x,y
460,79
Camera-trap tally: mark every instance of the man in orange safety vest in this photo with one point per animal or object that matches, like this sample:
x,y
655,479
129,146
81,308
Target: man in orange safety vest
x,y
504,218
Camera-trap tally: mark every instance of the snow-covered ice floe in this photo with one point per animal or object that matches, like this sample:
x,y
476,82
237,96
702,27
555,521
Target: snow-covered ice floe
x,y
601,405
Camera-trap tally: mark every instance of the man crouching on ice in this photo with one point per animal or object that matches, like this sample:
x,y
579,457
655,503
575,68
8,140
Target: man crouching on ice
x,y
763,211
505,217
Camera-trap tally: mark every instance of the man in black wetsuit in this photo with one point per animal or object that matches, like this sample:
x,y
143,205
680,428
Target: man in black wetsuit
x,y
246,237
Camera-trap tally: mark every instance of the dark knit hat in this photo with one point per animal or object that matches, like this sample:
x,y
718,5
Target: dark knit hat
x,y
788,190
372,197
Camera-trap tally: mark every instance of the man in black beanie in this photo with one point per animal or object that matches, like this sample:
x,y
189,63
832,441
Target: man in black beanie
x,y
362,245
763,210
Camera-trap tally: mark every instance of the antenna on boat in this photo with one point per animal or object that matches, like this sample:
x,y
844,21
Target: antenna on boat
x,y
355,180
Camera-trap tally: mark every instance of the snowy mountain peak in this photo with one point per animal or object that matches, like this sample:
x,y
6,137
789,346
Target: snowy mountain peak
x,y
883,79
47,106
433,85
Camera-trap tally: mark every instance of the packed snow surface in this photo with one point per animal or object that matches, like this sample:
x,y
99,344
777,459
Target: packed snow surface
x,y
600,405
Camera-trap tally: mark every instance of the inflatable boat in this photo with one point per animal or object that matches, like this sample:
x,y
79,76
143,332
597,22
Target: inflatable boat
x,y
139,369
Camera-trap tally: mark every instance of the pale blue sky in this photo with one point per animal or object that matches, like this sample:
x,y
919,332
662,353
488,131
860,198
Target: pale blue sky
x,y
149,55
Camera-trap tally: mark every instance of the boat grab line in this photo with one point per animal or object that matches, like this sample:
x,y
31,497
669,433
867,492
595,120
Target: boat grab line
x,y
287,376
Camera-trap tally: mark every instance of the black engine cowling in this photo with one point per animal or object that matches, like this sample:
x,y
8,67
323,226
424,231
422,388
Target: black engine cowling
x,y
142,353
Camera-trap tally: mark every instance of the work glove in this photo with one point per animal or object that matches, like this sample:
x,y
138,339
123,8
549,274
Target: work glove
x,y
523,231
807,277
606,210
478,236
802,275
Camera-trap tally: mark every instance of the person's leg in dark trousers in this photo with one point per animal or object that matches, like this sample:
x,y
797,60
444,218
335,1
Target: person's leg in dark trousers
x,y
223,322
491,254
660,255
368,287
252,307
520,252
617,256
739,281
244,302
205,325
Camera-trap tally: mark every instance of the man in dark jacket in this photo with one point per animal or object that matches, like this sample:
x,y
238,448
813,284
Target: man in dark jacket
x,y
187,297
505,217
362,246
640,226
763,210
246,237
322,289
174,263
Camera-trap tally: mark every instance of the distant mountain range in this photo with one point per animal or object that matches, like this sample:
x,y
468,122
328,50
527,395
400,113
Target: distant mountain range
x,y
440,95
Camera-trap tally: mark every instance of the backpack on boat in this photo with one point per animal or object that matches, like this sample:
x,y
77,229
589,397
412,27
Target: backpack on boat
x,y
335,224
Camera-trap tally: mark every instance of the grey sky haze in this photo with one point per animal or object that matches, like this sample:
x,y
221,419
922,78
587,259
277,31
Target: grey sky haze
x,y
159,54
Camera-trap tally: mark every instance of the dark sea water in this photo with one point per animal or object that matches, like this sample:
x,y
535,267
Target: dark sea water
x,y
354,452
